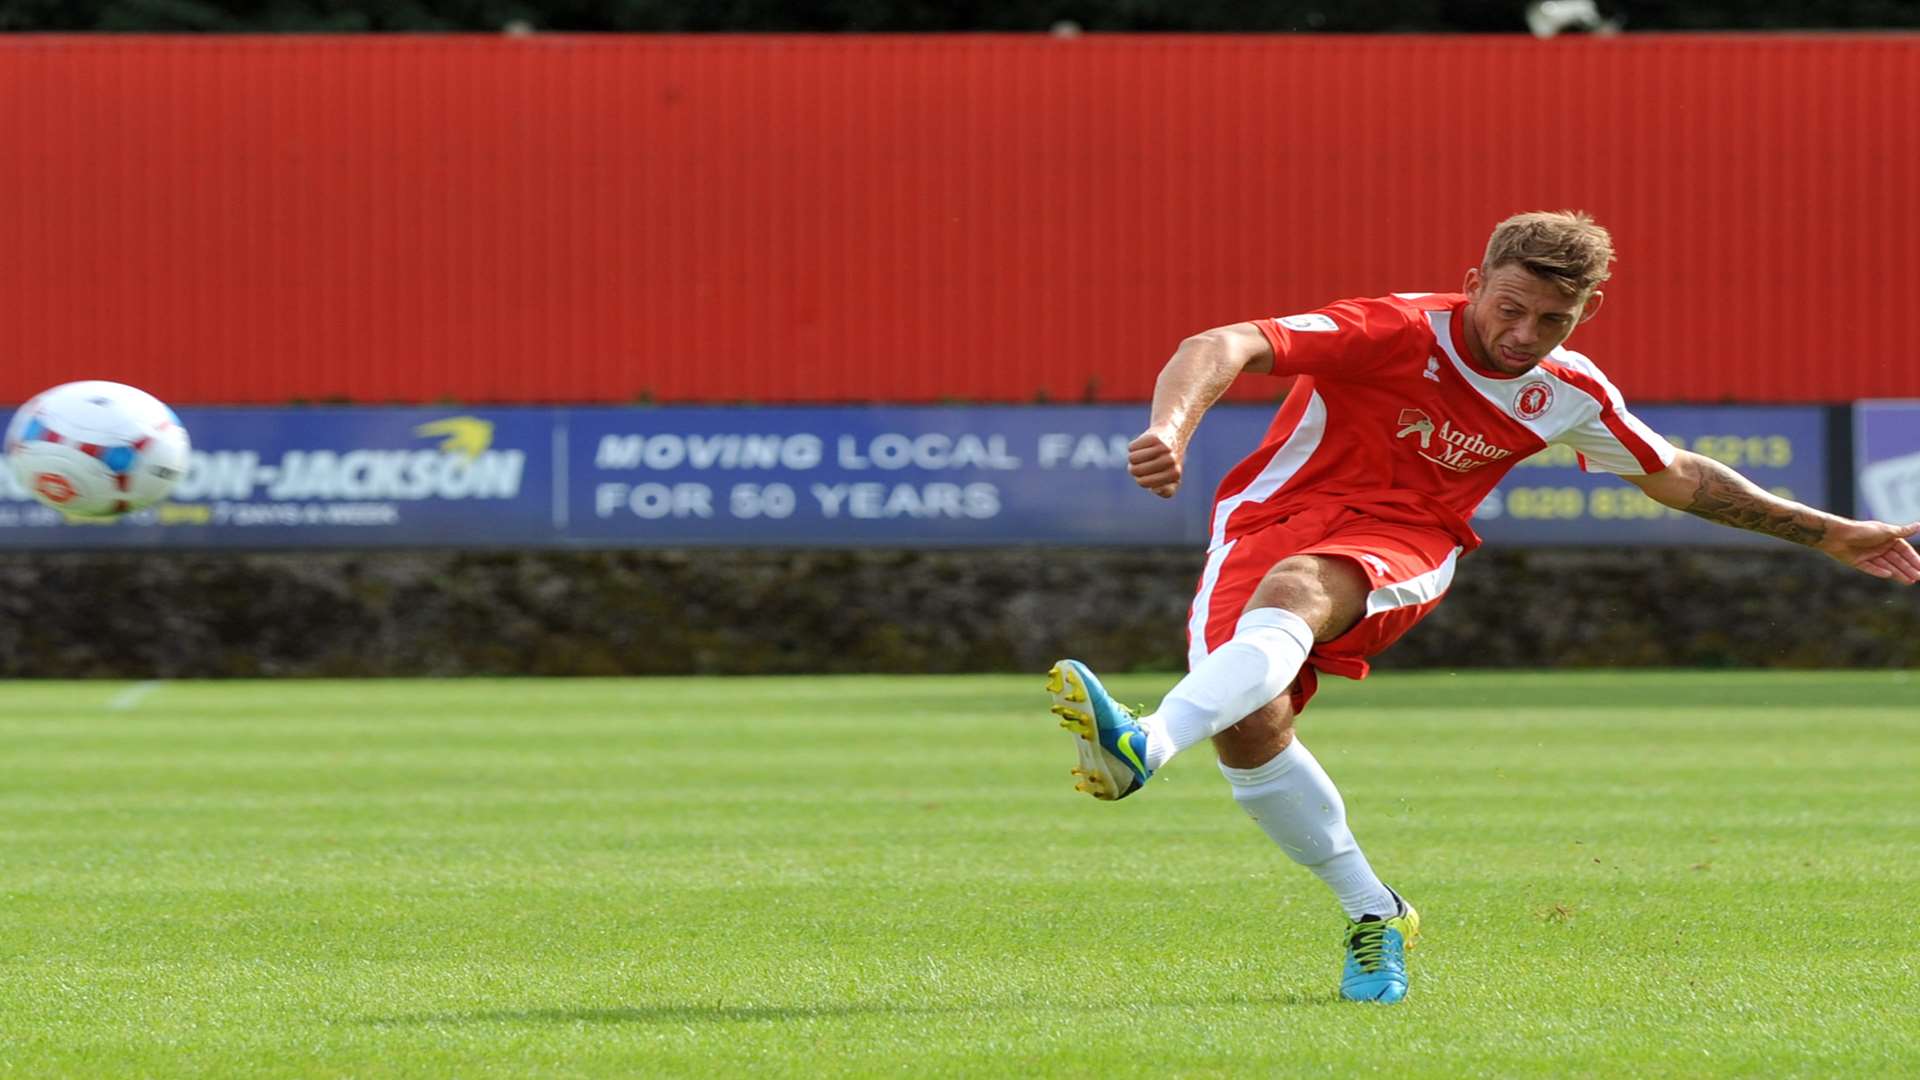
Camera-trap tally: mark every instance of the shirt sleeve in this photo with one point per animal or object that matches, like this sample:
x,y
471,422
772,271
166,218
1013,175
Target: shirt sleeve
x,y
1346,339
1610,439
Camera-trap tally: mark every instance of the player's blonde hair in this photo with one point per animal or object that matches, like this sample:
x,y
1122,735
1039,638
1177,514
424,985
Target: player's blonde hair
x,y
1566,247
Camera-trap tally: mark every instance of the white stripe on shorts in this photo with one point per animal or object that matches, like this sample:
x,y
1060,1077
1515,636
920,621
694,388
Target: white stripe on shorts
x,y
1202,601
1419,590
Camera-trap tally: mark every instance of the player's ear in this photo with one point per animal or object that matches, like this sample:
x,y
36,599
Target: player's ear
x,y
1593,305
1473,283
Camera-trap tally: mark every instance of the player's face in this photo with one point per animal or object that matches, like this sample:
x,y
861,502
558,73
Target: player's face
x,y
1514,319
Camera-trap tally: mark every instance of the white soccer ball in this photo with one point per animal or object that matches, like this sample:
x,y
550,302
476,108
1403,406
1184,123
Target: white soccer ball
x,y
96,449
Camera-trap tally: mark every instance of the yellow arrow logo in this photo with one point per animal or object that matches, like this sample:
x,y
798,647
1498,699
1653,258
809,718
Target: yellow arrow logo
x,y
467,435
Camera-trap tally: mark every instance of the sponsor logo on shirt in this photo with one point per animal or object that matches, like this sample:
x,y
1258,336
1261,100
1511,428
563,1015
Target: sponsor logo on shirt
x,y
1315,323
1447,446
1533,400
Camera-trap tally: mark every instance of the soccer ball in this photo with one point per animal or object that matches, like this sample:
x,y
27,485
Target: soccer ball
x,y
96,449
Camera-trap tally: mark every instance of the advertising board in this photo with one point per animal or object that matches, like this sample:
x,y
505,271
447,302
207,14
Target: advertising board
x,y
818,476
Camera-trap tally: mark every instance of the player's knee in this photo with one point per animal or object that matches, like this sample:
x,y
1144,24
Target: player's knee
x,y
1328,593
1294,585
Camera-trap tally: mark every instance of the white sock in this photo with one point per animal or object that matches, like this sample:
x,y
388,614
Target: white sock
x,y
1296,804
1236,679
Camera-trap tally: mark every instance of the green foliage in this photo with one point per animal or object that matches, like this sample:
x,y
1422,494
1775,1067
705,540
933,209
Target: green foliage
x,y
788,612
1647,875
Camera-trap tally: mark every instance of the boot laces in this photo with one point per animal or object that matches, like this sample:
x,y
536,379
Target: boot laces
x,y
1368,942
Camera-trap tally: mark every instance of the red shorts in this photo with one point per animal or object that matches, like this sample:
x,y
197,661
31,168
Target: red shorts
x,y
1408,569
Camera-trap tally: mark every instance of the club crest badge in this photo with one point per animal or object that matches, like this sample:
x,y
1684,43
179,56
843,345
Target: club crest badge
x,y
1533,400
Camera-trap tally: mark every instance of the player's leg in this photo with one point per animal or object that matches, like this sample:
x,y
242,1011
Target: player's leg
x,y
1285,602
1298,602
1283,788
1280,784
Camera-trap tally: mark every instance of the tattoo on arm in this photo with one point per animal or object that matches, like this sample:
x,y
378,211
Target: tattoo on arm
x,y
1726,497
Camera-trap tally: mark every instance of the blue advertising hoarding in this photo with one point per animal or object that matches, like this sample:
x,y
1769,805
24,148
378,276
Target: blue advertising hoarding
x,y
1886,452
331,477
1548,500
878,476
874,476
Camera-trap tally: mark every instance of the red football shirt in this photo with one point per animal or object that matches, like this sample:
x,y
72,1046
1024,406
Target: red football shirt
x,y
1391,414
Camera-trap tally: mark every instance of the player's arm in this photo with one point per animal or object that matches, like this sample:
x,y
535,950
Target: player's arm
x,y
1200,371
1706,488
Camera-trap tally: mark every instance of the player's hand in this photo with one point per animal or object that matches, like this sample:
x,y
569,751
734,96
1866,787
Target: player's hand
x,y
1156,459
1875,547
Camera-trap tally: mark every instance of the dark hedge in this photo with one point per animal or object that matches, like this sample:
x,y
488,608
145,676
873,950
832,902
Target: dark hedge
x,y
759,612
921,16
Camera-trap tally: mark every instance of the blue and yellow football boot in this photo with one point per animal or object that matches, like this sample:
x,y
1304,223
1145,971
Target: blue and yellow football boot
x,y
1112,748
1376,968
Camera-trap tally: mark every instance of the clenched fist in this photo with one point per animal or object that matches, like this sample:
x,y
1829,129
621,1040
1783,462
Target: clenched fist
x,y
1155,459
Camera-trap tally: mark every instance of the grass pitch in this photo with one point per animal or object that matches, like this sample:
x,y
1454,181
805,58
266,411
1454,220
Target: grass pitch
x,y
1621,875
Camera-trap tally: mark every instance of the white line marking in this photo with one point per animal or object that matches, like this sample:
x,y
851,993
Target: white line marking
x,y
132,696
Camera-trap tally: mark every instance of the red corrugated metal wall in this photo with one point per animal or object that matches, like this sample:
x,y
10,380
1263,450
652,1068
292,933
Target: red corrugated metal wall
x,y
918,219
